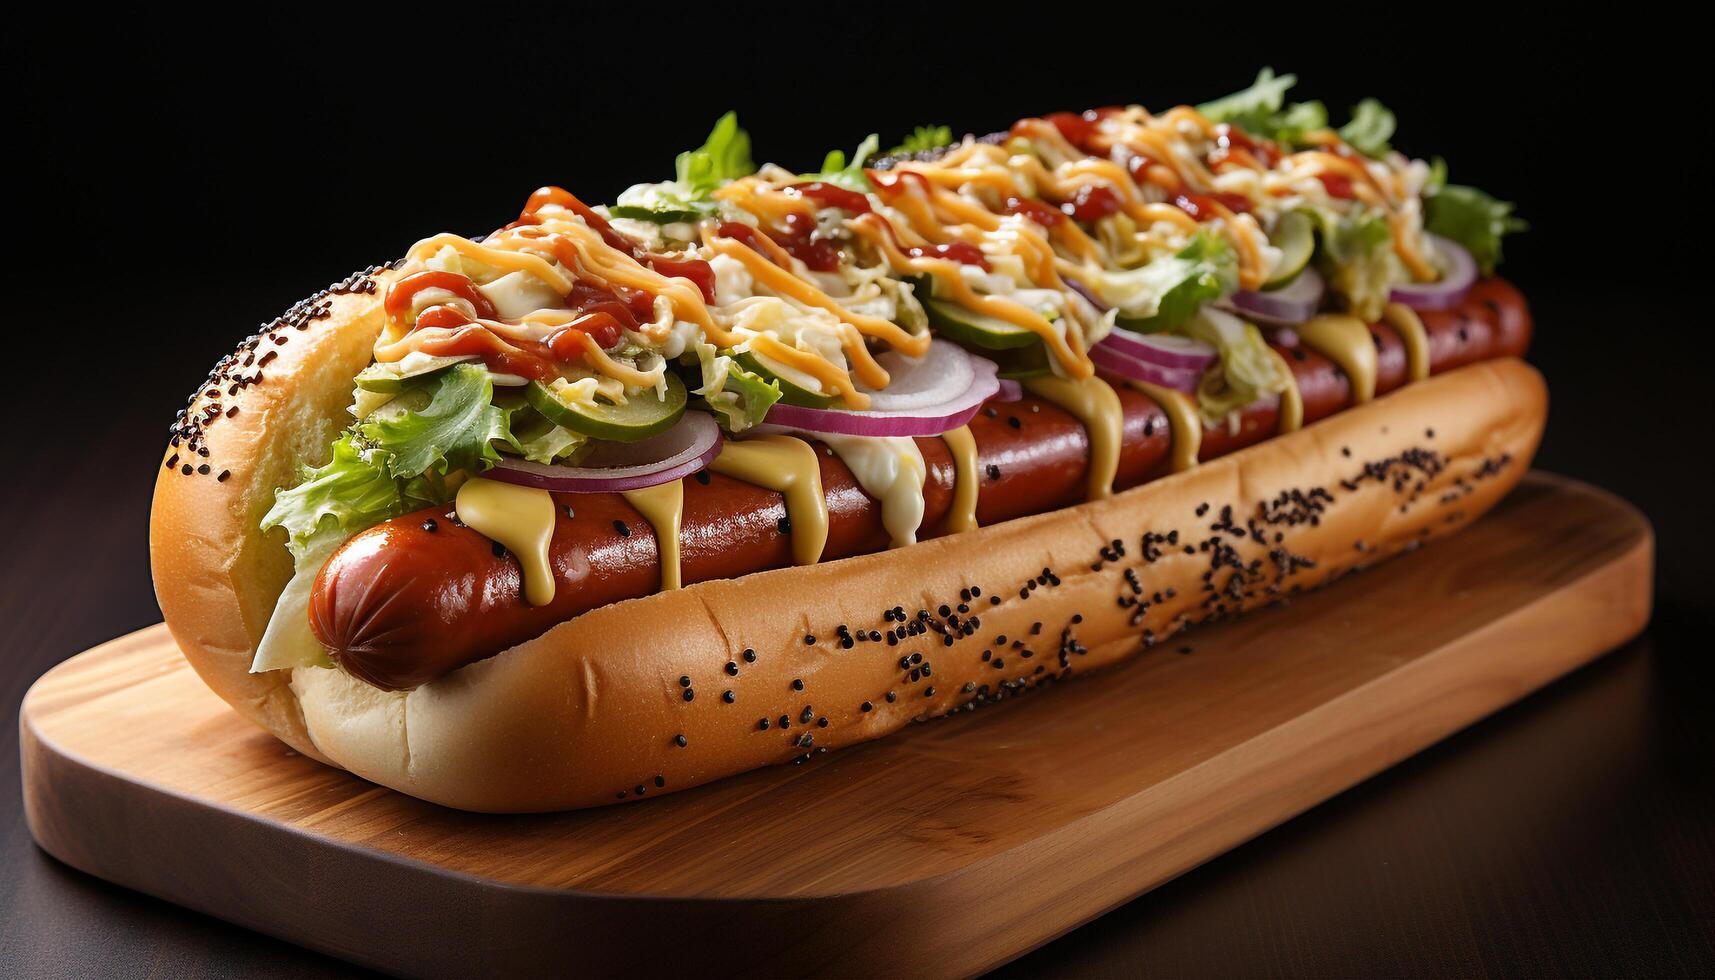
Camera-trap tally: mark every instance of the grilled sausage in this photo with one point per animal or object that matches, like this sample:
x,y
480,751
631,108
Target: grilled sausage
x,y
419,596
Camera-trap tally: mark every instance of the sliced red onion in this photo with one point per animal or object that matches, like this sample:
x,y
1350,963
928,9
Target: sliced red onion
x,y
1292,303
1087,293
1458,273
684,449
1010,391
792,418
1126,366
942,374
1172,351
939,391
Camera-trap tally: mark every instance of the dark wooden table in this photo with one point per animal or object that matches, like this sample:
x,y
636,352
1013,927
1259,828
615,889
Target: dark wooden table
x,y
1572,834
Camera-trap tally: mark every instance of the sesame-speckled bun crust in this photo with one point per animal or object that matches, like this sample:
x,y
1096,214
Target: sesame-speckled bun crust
x,y
276,401
630,699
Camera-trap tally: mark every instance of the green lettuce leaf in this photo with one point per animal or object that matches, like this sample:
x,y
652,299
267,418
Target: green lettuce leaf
x,y
1472,218
923,138
1289,127
1245,370
1160,296
724,156
744,399
1437,178
541,441
698,173
1262,110
1371,127
395,461
556,444
835,170
1261,101
1353,238
288,641
347,493
457,431
1355,256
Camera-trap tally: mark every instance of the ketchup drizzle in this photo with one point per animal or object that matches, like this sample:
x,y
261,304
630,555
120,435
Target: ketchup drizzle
x,y
1202,206
1091,203
401,293
1039,211
963,253
832,195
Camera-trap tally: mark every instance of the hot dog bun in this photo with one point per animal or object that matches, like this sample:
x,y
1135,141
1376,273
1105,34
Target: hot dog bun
x,y
592,711
277,401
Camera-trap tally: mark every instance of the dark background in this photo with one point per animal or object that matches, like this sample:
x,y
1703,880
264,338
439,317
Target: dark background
x,y
175,183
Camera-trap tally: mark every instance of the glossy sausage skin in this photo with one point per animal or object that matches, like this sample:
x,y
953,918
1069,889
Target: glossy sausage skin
x,y
419,596
416,597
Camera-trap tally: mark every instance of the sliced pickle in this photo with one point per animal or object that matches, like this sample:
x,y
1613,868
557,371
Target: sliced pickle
x,y
642,415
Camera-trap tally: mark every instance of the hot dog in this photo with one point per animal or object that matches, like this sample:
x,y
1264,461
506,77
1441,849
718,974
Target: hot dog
x,y
371,595
620,500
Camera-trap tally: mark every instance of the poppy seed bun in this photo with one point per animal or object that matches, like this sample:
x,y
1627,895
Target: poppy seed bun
x,y
593,709
277,402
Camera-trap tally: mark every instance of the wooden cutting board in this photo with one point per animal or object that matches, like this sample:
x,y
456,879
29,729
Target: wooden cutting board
x,y
944,850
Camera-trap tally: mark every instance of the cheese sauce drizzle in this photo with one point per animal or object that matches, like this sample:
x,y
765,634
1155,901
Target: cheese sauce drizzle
x,y
962,515
1064,195
789,467
1291,400
1184,423
1081,195
1092,402
521,519
1347,342
663,506
1410,327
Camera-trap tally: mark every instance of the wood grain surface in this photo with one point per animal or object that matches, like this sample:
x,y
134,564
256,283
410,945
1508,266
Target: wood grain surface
x,y
945,850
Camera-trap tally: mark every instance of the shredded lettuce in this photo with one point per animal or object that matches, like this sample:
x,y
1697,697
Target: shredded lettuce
x,y
1356,259
1371,127
555,444
1468,216
1351,238
385,466
660,216
835,170
743,398
923,138
1245,371
541,441
1165,293
908,309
